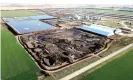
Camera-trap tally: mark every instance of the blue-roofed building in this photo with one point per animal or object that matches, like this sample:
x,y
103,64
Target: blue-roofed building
x,y
8,19
28,26
42,17
11,19
39,17
99,29
29,23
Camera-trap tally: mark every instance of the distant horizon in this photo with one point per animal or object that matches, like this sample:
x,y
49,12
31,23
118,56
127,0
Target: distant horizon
x,y
105,2
65,4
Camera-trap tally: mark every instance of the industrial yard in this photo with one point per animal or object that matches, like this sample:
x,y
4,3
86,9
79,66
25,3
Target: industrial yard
x,y
52,44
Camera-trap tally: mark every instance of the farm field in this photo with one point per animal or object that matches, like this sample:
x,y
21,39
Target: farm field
x,y
16,63
118,69
129,23
18,13
111,23
111,11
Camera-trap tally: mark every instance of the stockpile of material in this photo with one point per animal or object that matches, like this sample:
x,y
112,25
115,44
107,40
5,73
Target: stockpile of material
x,y
56,47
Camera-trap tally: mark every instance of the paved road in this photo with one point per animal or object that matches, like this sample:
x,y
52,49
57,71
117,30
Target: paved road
x,y
80,71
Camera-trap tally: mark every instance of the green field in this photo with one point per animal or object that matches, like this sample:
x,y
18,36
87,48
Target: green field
x,y
129,23
118,69
16,63
111,11
18,13
111,23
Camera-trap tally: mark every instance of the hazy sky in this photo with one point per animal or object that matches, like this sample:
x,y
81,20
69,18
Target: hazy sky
x,y
69,1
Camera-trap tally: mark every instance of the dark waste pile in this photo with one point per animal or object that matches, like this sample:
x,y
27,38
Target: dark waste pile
x,y
55,47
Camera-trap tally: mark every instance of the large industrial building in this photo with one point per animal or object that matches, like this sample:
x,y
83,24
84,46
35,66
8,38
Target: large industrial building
x,y
44,17
29,24
99,29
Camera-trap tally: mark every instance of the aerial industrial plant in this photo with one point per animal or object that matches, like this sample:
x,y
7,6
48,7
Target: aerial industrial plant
x,y
64,43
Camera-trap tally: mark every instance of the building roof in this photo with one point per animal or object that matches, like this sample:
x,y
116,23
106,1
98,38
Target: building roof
x,y
64,19
42,17
10,19
22,27
99,29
